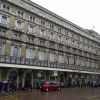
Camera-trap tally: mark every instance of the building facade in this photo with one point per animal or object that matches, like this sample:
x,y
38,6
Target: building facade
x,y
37,45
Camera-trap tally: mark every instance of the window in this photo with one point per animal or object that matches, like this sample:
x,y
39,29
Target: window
x,y
15,52
59,29
30,39
42,23
5,7
4,19
61,59
17,36
41,55
42,32
29,53
52,26
59,38
52,57
0,49
18,24
31,18
20,13
51,35
30,29
2,32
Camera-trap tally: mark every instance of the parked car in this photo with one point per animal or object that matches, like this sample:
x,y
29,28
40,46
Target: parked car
x,y
49,86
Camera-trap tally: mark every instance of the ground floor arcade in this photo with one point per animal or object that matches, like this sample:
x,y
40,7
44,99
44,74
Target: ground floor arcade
x,y
30,78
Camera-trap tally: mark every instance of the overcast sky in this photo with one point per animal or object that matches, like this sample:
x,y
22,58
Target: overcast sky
x,y
85,13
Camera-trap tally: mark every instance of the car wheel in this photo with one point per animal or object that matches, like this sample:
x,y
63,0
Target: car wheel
x,y
47,89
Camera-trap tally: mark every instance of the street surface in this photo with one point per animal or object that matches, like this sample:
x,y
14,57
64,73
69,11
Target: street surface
x,y
64,94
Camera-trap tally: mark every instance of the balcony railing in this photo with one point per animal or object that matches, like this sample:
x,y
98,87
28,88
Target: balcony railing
x,y
32,62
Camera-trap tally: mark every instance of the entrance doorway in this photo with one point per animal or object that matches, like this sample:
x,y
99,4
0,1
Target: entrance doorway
x,y
12,76
28,81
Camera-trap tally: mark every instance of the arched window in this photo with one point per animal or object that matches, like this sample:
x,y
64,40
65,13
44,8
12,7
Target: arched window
x,y
15,51
29,53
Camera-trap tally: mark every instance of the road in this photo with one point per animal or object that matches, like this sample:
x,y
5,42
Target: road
x,y
64,94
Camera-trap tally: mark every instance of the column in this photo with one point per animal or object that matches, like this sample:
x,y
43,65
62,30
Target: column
x,y
0,75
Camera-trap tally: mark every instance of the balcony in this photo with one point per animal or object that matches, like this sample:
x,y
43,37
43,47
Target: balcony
x,y
32,62
18,29
4,24
2,35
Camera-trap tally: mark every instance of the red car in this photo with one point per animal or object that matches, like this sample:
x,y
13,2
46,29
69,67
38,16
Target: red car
x,y
49,86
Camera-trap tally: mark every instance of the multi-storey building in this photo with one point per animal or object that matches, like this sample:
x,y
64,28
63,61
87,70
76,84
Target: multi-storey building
x,y
36,45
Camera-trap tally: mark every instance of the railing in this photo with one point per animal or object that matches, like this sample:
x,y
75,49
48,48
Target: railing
x,y
32,62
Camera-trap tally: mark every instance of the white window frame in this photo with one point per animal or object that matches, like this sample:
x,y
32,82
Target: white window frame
x,y
17,26
19,51
32,31
52,57
32,18
7,21
30,55
61,58
42,34
41,55
3,48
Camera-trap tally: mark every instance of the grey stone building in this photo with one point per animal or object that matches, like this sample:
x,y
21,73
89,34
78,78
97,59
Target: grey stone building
x,y
36,45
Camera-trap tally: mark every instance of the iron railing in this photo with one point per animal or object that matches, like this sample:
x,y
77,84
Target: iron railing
x,y
32,62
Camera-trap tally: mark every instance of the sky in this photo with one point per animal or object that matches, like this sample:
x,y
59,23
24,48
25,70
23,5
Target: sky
x,y
84,13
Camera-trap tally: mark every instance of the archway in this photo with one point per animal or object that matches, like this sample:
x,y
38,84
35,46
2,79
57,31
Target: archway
x,y
12,75
27,80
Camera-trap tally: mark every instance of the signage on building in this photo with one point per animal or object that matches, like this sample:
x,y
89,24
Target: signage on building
x,y
39,75
55,73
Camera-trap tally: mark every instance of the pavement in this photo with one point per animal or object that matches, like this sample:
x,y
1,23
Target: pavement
x,y
64,94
